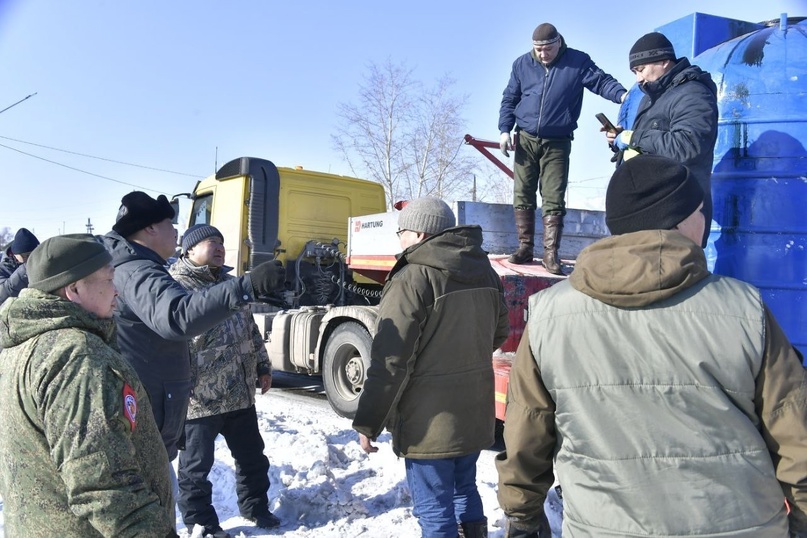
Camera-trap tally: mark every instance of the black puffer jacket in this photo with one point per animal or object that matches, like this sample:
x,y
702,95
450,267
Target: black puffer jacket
x,y
13,277
677,118
156,317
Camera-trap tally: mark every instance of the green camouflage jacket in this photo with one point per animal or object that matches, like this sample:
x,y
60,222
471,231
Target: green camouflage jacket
x,y
81,453
226,360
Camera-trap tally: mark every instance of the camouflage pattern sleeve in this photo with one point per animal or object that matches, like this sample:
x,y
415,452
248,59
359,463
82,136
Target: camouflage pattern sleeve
x,y
90,435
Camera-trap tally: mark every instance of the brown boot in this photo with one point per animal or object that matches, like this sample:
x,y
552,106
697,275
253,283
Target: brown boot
x,y
525,227
553,229
476,529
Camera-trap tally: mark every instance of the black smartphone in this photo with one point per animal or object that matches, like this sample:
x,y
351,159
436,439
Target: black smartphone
x,y
606,123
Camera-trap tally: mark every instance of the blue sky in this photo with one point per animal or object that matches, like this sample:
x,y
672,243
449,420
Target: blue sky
x,y
164,84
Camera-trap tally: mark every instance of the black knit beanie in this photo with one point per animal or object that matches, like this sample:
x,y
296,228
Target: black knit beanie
x,y
198,233
65,259
650,192
24,242
139,210
652,47
545,34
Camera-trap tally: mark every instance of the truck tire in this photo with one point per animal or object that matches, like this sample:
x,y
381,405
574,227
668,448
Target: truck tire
x,y
344,367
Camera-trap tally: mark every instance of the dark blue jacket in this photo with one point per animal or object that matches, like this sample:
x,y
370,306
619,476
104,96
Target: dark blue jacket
x,y
677,118
156,317
13,276
545,101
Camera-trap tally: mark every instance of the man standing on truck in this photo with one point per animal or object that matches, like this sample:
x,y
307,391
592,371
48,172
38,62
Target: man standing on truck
x,y
156,316
676,118
430,382
679,410
226,362
543,100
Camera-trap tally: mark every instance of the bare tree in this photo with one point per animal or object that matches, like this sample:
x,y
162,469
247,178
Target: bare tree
x,y
406,137
6,236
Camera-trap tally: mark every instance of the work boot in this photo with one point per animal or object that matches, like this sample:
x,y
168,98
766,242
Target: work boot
x,y
474,529
525,227
553,229
215,531
265,521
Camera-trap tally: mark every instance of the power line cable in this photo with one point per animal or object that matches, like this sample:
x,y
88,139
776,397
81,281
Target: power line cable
x,y
100,158
84,171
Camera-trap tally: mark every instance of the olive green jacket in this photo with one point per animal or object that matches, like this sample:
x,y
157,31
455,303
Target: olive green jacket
x,y
667,399
81,453
430,381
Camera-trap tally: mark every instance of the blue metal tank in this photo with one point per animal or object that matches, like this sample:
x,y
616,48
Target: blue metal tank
x,y
759,184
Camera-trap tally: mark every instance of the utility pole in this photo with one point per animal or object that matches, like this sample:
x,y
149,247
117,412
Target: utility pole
x,y
89,226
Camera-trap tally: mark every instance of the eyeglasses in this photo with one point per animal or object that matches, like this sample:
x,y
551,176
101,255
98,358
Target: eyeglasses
x,y
399,233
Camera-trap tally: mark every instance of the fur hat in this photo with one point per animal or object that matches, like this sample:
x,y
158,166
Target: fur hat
x,y
652,47
428,215
65,259
198,233
545,34
139,210
24,242
650,192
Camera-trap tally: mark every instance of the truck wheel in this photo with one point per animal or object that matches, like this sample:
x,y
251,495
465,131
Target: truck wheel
x,y
344,367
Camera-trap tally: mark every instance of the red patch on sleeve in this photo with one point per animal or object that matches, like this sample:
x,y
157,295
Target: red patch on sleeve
x,y
129,404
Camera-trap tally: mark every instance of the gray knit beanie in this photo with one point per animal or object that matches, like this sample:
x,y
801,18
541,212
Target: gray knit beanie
x,y
198,233
65,259
428,215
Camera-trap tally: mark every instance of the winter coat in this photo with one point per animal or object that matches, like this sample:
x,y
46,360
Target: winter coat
x,y
226,360
669,397
156,317
13,278
677,118
82,455
546,101
430,381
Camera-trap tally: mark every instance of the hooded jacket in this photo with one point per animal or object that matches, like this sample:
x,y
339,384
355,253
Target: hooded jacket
x,y
226,360
82,455
669,397
156,317
546,101
430,381
677,118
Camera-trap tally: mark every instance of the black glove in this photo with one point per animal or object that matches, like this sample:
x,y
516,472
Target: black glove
x,y
267,277
537,527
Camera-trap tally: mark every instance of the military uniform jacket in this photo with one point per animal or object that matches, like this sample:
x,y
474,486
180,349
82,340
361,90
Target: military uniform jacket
x,y
81,454
227,359
430,381
669,397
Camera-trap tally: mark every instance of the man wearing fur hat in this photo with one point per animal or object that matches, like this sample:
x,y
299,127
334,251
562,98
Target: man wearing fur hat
x,y
13,273
156,316
542,101
676,118
669,398
226,362
82,454
441,316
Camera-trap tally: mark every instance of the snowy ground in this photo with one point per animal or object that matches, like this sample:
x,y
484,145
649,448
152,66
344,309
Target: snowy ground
x,y
323,484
